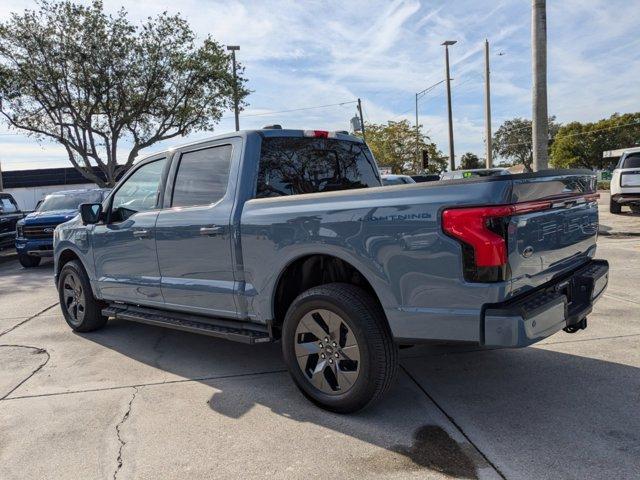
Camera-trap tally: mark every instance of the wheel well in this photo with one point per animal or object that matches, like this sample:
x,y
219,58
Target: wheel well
x,y
311,271
65,257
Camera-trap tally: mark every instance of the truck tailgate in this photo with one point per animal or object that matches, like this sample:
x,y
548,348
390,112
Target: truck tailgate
x,y
560,237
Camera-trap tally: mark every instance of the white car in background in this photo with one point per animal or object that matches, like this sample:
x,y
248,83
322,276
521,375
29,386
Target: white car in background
x,y
625,182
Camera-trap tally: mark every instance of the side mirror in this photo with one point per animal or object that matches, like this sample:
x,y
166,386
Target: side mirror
x,y
90,213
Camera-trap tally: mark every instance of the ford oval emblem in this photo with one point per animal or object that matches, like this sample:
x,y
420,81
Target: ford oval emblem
x,y
527,252
49,230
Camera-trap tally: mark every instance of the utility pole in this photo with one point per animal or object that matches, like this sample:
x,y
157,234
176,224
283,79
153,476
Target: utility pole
x,y
233,49
540,117
487,103
417,134
452,157
361,119
1,184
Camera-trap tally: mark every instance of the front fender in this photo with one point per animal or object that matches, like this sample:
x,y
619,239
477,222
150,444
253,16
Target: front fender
x,y
74,238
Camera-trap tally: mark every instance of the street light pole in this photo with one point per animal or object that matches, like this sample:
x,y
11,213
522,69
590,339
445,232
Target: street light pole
x,y
233,49
487,103
540,117
452,157
418,96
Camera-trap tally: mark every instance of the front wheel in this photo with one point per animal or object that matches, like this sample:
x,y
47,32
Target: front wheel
x,y
81,310
338,347
28,261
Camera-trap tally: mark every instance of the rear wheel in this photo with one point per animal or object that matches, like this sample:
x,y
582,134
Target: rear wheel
x,y
338,347
614,207
28,261
80,308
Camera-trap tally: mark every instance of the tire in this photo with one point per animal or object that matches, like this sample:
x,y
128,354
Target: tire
x,y
356,327
28,261
614,207
80,308
635,208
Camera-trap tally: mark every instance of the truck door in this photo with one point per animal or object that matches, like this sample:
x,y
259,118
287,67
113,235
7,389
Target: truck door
x,y
193,231
124,246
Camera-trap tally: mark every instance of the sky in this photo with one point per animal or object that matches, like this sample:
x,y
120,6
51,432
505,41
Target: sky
x,y
300,54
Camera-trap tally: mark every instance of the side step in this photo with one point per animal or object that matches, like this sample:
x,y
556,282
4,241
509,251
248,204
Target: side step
x,y
231,330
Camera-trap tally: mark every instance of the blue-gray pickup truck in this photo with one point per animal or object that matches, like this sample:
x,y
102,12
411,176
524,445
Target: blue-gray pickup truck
x,y
288,235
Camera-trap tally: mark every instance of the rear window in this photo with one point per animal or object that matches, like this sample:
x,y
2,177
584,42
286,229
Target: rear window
x,y
632,161
291,166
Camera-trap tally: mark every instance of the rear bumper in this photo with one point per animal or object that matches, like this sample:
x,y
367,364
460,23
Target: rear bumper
x,y
535,316
626,198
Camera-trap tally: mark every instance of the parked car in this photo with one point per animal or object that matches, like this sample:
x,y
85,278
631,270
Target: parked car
x,y
396,179
473,173
10,213
428,177
269,235
625,182
34,233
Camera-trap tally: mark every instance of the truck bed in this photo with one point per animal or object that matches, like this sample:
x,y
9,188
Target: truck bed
x,y
394,237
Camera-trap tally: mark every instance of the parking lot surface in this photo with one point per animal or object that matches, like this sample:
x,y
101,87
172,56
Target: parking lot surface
x,y
136,401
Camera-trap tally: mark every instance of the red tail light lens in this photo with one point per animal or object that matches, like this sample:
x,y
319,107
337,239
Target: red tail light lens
x,y
470,225
483,242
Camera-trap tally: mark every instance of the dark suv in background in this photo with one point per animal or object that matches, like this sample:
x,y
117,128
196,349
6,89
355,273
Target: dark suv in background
x,y
9,215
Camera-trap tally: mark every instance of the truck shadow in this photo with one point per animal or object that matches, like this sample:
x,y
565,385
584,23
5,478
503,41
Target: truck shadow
x,y
530,410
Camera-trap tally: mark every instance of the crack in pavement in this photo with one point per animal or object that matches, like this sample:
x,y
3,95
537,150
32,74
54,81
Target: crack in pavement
x,y
19,324
37,351
119,461
150,384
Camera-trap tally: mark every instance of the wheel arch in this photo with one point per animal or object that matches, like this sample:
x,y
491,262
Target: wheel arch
x,y
310,270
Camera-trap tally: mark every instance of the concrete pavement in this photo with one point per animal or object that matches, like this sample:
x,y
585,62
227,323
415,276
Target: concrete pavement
x,y
135,401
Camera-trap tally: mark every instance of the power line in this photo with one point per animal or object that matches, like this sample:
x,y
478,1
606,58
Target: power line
x,y
296,109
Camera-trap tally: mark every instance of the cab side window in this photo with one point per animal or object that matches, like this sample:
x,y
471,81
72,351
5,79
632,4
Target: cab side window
x,y
7,205
139,193
202,177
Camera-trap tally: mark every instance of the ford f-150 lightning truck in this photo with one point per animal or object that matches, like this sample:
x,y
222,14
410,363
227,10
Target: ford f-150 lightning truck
x,y
287,235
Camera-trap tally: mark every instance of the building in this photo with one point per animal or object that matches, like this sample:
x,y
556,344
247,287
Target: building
x,y
28,187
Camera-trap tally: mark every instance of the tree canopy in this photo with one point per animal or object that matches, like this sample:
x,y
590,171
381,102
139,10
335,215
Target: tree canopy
x,y
581,144
91,81
512,141
470,161
394,145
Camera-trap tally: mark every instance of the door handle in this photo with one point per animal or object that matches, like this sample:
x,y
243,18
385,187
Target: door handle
x,y
141,233
210,231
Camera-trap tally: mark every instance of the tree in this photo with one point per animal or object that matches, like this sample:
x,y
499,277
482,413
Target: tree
x,y
513,140
581,144
469,161
89,81
394,145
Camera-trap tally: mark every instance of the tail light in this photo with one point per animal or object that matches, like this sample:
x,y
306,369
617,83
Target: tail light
x,y
483,233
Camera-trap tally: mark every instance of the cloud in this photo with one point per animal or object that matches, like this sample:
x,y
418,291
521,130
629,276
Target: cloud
x,y
299,54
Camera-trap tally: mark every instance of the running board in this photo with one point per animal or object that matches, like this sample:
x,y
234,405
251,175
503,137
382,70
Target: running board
x,y
231,330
